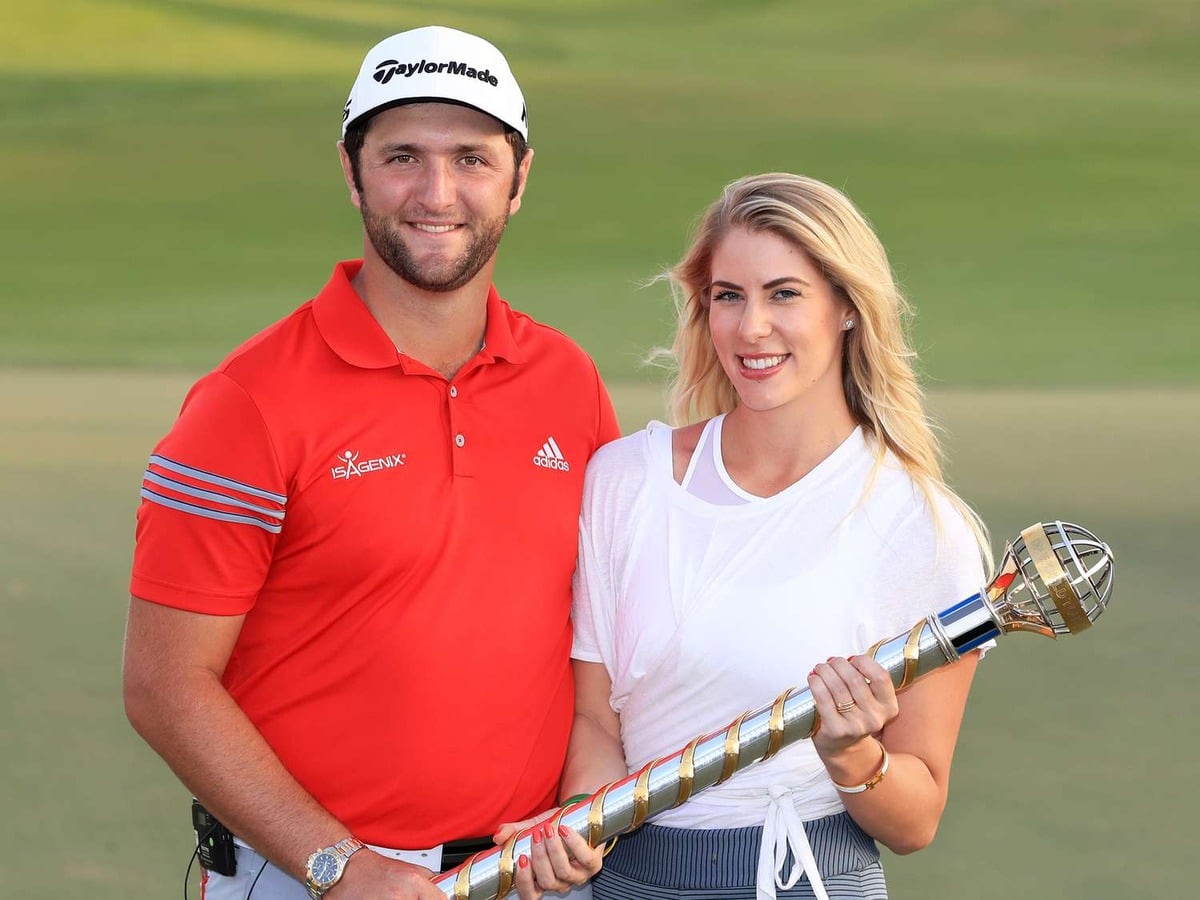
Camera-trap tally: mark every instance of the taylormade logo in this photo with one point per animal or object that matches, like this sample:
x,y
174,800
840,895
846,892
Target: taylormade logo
x,y
351,467
390,68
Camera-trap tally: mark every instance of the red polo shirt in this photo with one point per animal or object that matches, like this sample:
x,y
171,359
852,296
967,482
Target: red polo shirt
x,y
401,547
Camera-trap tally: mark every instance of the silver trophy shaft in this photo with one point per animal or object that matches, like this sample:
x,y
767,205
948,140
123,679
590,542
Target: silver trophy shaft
x,y
711,759
1022,597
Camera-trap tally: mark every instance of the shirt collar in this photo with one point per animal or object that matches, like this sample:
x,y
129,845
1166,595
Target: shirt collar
x,y
353,334
498,339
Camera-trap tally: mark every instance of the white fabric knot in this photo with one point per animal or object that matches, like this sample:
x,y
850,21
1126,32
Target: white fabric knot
x,y
783,829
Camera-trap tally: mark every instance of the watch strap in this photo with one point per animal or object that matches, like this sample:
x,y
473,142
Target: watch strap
x,y
347,847
343,850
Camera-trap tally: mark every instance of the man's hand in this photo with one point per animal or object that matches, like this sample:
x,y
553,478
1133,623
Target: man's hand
x,y
372,876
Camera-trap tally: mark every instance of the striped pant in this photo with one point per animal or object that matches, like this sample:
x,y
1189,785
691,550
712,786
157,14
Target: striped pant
x,y
659,863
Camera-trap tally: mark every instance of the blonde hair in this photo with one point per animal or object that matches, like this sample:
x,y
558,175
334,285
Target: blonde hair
x,y
878,375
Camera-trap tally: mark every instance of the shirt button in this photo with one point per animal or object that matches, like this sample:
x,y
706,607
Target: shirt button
x,y
459,440
453,391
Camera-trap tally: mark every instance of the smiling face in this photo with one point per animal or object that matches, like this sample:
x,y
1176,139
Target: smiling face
x,y
437,190
777,324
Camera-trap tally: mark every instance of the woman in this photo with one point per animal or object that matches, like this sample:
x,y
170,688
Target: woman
x,y
798,512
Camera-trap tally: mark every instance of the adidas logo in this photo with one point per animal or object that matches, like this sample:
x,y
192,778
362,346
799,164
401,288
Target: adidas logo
x,y
550,457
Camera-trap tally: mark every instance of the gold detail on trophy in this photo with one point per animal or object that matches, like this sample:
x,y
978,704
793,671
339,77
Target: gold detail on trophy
x,y
775,724
505,864
687,770
733,749
641,795
1051,571
462,884
556,819
596,818
912,653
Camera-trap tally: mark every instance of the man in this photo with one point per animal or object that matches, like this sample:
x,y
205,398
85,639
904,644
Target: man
x,y
350,591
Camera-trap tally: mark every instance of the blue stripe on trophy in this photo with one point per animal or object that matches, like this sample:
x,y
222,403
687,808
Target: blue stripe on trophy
x,y
969,624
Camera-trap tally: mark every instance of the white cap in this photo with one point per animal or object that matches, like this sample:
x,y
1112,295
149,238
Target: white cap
x,y
437,64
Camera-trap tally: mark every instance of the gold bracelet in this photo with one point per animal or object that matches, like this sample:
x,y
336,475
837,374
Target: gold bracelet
x,y
870,782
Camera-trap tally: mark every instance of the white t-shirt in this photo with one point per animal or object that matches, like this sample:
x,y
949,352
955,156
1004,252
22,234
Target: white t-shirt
x,y
701,611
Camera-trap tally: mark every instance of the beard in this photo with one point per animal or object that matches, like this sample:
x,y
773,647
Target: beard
x,y
442,275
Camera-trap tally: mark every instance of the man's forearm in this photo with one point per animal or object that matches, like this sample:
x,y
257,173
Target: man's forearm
x,y
220,756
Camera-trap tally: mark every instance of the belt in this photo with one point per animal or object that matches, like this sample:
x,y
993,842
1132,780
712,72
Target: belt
x,y
455,853
441,858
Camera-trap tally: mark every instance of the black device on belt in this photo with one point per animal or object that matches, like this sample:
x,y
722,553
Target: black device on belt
x,y
455,853
214,842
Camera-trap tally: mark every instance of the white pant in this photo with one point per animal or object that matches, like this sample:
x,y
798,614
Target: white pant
x,y
269,882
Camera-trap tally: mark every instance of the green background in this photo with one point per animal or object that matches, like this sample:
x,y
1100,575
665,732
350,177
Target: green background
x,y
169,184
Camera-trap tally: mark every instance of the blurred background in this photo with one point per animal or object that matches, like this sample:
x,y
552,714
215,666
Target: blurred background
x,y
169,185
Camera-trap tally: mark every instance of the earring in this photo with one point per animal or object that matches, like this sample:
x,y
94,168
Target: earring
x,y
849,324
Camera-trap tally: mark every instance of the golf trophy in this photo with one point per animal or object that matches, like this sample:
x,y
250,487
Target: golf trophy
x,y
1054,579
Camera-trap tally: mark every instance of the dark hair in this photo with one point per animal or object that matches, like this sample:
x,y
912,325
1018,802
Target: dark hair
x,y
356,136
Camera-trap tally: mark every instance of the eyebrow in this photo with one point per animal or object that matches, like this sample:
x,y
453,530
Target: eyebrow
x,y
417,148
776,282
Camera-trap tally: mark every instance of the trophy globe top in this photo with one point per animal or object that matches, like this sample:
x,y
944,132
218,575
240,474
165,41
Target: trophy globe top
x,y
1054,579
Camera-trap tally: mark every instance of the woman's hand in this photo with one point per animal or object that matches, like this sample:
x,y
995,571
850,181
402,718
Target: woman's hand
x,y
558,860
855,700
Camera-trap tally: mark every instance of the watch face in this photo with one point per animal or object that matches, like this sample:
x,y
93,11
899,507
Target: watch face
x,y
325,868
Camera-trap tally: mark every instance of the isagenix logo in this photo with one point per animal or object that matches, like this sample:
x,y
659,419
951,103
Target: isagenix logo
x,y
351,467
390,68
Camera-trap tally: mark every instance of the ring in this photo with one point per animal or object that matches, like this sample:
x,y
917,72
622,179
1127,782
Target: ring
x,y
844,708
867,680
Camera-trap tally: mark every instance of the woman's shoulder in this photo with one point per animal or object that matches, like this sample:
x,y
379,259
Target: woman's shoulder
x,y
685,438
896,495
619,453
619,473
626,459
641,448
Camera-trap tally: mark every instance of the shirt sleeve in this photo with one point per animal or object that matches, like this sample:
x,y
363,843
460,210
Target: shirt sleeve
x,y
930,562
610,491
214,501
590,588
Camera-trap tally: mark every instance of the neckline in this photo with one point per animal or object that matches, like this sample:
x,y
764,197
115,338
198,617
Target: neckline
x,y
718,431
663,465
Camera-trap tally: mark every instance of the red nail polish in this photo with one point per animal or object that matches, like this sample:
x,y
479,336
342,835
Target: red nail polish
x,y
537,836
523,862
563,830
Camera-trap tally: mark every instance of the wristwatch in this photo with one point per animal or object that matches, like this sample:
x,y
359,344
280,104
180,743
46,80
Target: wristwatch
x,y
325,867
